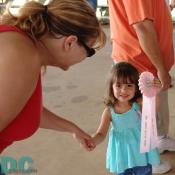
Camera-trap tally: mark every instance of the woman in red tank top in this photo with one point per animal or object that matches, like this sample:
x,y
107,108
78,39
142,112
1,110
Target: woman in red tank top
x,y
41,36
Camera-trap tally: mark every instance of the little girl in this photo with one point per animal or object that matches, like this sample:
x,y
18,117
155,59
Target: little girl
x,y
123,106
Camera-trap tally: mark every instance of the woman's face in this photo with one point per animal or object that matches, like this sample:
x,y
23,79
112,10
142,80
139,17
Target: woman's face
x,y
66,51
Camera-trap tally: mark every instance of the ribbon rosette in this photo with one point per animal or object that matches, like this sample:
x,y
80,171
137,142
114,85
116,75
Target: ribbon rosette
x,y
148,125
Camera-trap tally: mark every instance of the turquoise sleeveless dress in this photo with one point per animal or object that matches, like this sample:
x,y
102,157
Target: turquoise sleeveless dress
x,y
123,149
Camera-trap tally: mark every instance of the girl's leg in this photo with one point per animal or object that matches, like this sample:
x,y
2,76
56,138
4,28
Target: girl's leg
x,y
127,172
143,170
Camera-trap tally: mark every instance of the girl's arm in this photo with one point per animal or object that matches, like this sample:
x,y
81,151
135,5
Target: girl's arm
x,y
50,120
102,130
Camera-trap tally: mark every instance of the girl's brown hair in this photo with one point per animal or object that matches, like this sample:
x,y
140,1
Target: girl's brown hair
x,y
59,17
122,72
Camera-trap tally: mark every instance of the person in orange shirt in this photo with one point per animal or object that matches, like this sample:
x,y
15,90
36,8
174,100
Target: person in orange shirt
x,y
139,36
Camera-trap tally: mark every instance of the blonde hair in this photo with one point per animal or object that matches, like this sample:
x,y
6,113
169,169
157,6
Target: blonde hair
x,y
59,17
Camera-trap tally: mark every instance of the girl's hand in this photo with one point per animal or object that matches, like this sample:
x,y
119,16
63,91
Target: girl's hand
x,y
85,140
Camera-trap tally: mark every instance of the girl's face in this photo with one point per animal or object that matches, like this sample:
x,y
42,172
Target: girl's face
x,y
123,92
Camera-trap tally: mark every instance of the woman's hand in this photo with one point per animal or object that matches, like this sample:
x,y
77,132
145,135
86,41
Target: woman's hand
x,y
85,140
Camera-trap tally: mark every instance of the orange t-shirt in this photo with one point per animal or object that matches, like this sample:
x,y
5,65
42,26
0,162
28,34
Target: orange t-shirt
x,y
126,47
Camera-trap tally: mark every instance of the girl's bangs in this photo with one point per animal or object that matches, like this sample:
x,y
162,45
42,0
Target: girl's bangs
x,y
123,78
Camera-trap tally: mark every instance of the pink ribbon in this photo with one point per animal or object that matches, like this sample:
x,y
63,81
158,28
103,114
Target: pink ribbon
x,y
148,125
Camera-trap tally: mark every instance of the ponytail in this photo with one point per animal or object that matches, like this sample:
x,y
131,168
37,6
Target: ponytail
x,y
59,17
30,19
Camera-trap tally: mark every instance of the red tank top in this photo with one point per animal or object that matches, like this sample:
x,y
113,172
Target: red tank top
x,y
28,120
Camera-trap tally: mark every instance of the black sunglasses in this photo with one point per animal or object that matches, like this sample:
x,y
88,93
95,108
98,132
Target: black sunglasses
x,y
90,51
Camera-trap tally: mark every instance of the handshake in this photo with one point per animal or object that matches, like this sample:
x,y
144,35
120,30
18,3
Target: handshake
x,y
86,142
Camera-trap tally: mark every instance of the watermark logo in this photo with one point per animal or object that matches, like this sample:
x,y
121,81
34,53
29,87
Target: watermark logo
x,y
22,165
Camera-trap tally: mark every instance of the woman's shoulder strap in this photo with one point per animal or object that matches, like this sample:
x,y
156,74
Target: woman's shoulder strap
x,y
4,28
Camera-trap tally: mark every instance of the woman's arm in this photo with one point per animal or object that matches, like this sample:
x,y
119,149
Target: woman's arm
x,y
102,130
51,121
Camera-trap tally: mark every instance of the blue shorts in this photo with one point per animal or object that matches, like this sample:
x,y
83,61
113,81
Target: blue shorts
x,y
138,170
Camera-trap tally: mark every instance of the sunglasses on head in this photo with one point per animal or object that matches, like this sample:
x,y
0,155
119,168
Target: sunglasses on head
x,y
90,51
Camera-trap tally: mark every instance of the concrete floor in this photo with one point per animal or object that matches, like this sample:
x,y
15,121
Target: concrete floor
x,y
76,95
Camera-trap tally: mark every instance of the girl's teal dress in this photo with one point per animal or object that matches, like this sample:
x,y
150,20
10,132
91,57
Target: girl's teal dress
x,y
123,149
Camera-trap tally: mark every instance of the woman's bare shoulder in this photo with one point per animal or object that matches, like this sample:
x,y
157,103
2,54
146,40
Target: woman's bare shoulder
x,y
19,72
19,53
17,44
